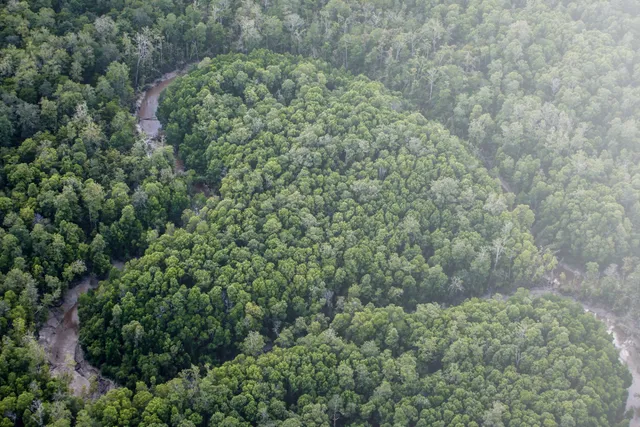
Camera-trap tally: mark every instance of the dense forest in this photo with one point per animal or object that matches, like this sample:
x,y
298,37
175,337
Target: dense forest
x,y
370,164
327,197
520,363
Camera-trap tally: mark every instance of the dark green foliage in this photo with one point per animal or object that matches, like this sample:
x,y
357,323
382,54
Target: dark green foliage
x,y
541,362
325,191
77,187
545,93
29,396
332,195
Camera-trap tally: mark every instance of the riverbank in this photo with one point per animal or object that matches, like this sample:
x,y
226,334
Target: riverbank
x,y
148,100
59,337
150,127
148,124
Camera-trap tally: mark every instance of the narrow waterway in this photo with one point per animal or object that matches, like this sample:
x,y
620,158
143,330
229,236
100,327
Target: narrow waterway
x,y
628,346
59,337
626,337
148,106
151,128
148,123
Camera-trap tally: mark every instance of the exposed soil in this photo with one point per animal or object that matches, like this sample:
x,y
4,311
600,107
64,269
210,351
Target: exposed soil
x,y
179,163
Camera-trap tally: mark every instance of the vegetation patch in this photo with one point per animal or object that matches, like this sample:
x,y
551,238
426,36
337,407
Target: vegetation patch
x,y
330,195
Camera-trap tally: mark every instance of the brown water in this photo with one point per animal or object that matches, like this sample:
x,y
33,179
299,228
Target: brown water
x,y
60,334
147,119
149,123
625,337
60,339
151,127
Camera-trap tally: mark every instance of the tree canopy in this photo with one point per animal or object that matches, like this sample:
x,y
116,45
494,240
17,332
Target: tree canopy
x,y
523,362
342,212
327,189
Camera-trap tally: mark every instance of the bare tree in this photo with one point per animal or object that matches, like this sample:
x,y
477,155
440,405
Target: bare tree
x,y
217,7
499,243
456,285
432,76
145,44
435,30
521,335
328,298
335,406
38,412
295,25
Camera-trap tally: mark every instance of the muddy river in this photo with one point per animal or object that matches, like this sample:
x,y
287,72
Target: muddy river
x,y
148,123
150,126
626,337
59,337
629,354
148,105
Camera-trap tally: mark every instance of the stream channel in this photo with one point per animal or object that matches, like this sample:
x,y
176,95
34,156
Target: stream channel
x,y
59,338
59,335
